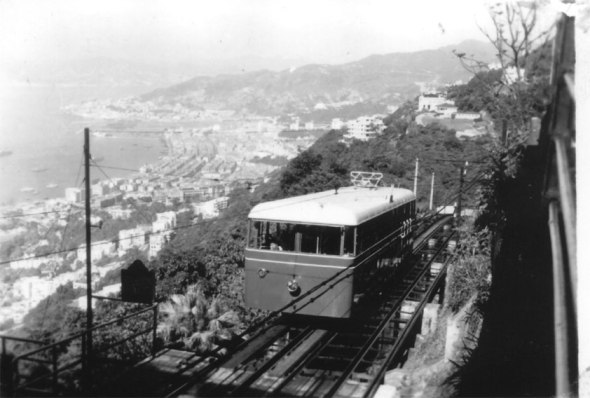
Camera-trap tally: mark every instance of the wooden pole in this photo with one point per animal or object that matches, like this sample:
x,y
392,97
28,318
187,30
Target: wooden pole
x,y
459,200
88,250
431,192
416,178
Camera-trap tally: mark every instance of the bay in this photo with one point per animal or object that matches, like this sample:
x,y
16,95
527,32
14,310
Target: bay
x,y
47,144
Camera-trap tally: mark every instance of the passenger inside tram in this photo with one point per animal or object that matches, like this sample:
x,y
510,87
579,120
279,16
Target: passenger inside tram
x,y
312,239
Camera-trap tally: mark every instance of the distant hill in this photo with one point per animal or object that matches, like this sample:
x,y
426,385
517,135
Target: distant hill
x,y
384,79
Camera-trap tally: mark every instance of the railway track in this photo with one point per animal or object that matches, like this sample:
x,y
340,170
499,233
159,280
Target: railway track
x,y
344,359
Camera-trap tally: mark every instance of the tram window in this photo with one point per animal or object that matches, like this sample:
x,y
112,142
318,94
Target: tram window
x,y
255,234
309,240
318,240
292,237
348,241
329,240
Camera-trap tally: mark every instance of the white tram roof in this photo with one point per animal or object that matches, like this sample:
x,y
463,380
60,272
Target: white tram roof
x,y
350,206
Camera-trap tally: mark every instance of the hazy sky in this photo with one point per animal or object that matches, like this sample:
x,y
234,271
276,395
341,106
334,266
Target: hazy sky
x,y
303,30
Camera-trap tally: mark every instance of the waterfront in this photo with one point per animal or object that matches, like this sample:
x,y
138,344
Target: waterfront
x,y
47,145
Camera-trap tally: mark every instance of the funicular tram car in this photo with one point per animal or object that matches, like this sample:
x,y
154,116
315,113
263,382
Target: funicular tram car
x,y
294,244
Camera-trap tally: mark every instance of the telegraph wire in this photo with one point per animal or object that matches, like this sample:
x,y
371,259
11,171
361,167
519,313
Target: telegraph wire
x,y
33,214
181,227
203,222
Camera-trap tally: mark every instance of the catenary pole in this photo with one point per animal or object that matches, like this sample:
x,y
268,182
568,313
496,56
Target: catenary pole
x,y
431,192
460,199
416,178
88,248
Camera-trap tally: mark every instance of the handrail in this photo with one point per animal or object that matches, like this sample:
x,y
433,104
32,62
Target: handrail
x,y
558,136
55,368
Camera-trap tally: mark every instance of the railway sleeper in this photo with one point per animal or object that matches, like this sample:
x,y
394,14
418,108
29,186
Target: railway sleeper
x,y
351,389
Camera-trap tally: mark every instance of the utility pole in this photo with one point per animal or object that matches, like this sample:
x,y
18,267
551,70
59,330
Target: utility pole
x,y
88,253
416,178
431,191
459,200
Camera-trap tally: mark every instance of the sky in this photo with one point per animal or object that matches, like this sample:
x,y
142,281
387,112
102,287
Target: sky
x,y
305,31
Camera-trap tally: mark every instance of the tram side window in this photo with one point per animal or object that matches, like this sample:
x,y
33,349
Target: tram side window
x,y
348,241
301,238
377,229
318,240
255,234
270,235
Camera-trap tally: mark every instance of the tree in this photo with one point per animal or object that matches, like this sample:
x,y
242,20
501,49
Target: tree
x,y
195,322
516,96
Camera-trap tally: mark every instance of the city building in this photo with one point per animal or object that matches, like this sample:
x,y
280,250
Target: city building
x,y
447,109
97,250
336,124
118,212
467,115
33,289
164,221
135,237
430,101
100,189
75,195
30,261
157,241
363,128
211,208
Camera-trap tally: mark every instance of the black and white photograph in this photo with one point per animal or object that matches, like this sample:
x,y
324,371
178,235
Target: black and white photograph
x,y
294,198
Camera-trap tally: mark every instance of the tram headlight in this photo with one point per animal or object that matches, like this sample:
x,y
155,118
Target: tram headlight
x,y
293,288
262,272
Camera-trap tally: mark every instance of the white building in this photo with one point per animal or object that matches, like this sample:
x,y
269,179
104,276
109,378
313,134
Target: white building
x,y
211,208
33,289
363,128
135,237
100,189
97,250
157,243
165,221
75,195
447,109
467,115
336,124
429,102
31,262
309,125
118,212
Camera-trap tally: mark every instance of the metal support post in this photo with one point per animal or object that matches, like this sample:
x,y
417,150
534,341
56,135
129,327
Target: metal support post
x,y
416,177
460,198
87,194
431,192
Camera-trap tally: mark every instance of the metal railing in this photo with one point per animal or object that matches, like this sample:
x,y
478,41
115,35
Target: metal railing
x,y
39,370
557,141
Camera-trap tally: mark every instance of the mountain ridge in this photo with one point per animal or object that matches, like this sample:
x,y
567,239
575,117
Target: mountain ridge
x,y
381,78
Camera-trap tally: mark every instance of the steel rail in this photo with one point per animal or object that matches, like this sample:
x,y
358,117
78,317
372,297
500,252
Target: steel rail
x,y
385,322
301,364
328,284
405,333
416,279
268,364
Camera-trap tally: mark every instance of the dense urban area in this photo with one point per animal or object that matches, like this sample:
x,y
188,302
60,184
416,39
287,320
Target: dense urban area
x,y
184,215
